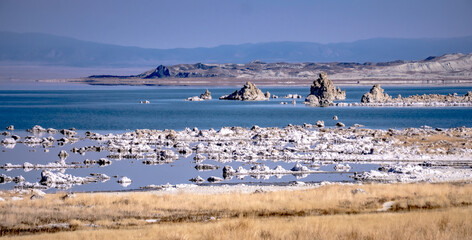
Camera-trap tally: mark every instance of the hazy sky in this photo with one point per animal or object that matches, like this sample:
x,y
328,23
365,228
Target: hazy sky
x,y
205,23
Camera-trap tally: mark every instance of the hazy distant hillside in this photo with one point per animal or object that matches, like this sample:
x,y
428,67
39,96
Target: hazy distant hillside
x,y
48,49
447,66
446,69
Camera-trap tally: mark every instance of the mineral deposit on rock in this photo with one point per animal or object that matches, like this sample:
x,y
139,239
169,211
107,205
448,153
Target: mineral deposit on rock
x,y
249,92
323,92
193,99
206,95
376,95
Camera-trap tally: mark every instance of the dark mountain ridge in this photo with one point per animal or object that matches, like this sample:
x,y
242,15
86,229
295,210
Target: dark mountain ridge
x,y
45,49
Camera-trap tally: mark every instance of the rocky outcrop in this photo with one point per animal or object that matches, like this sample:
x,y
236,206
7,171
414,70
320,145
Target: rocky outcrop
x,y
320,123
469,95
249,92
312,100
323,92
376,95
160,72
206,95
256,170
64,181
437,98
194,99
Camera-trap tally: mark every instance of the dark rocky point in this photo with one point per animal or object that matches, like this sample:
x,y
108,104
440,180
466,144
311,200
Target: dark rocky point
x,y
160,72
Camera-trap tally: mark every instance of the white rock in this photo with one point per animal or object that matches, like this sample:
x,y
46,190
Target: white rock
x,y
124,180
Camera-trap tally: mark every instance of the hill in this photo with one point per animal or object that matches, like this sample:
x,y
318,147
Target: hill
x,y
446,69
44,49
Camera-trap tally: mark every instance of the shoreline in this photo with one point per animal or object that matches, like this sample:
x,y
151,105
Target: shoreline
x,y
64,85
234,82
441,155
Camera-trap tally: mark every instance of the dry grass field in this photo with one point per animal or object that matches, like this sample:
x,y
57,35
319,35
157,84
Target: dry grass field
x,y
451,223
417,211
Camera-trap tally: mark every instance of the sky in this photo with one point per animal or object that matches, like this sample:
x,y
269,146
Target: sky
x,y
208,23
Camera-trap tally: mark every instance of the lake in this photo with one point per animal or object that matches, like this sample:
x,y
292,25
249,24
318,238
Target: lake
x,y
117,109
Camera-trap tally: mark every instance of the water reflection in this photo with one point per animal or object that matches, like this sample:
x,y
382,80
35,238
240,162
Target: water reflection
x,y
93,171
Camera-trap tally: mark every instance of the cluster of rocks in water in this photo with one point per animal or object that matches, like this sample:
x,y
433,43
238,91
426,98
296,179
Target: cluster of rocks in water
x,y
294,96
323,93
249,92
308,146
12,139
65,181
377,97
262,171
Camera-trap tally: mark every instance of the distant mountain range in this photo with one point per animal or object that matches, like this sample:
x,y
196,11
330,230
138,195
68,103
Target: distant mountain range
x,y
45,49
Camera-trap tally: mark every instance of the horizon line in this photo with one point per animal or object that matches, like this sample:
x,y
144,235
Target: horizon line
x,y
238,44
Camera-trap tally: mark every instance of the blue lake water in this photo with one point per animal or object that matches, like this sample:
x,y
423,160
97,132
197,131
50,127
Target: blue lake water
x,y
116,109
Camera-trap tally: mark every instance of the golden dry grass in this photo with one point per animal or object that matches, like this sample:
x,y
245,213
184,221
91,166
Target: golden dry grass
x,y
445,224
129,210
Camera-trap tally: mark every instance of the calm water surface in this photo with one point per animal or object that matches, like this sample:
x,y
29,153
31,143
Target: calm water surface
x,y
118,109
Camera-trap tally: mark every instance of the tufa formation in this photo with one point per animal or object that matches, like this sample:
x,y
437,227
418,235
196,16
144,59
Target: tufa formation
x,y
323,92
249,92
376,95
